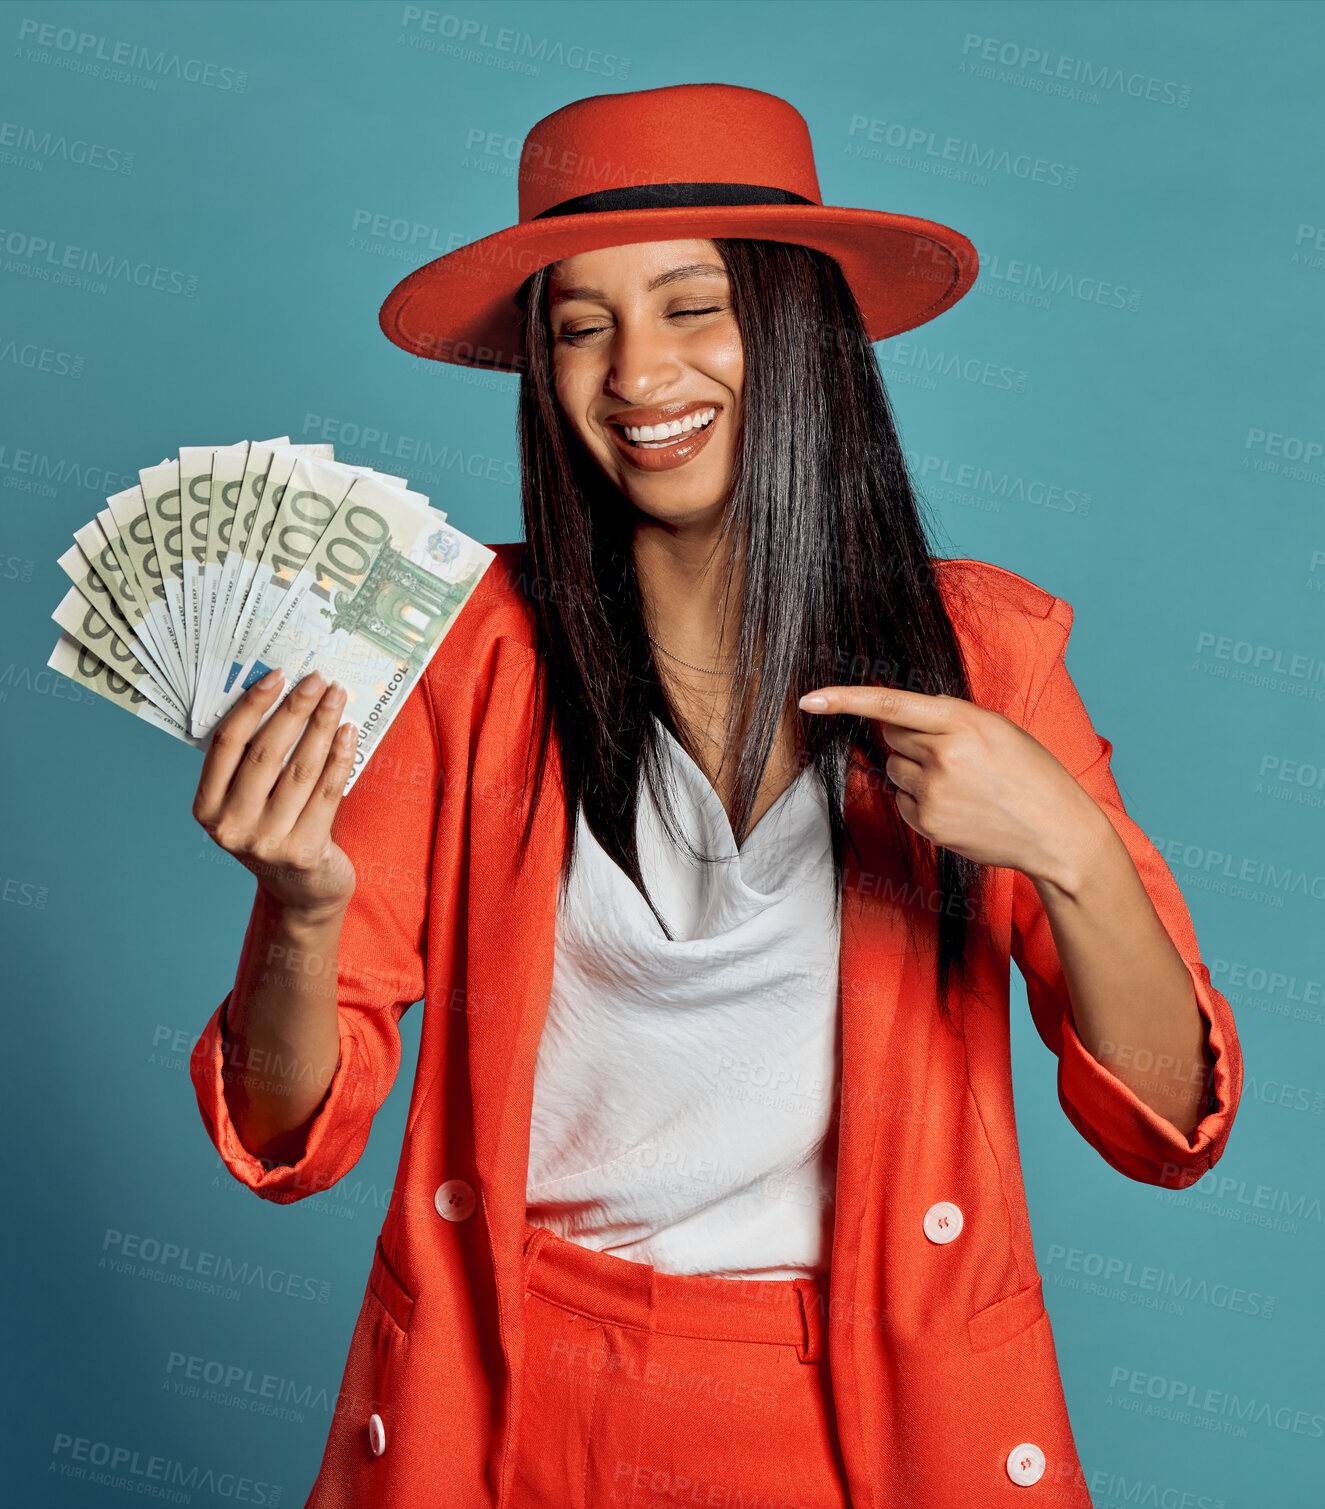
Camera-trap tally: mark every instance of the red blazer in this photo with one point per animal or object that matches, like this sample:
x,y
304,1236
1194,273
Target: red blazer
x,y
941,1354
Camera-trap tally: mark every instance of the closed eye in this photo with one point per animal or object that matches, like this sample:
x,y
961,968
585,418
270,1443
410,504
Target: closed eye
x,y
579,335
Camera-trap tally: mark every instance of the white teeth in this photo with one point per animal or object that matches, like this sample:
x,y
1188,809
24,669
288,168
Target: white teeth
x,y
642,434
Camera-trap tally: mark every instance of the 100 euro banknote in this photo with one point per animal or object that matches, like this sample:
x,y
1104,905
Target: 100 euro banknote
x,y
230,560
368,607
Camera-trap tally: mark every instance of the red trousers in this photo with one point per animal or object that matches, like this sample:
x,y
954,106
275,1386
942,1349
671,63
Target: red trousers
x,y
654,1390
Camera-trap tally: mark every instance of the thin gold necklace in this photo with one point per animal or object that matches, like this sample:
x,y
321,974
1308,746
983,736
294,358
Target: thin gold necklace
x,y
703,669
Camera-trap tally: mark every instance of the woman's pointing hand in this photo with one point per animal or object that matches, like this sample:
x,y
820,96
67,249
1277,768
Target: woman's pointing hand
x,y
971,780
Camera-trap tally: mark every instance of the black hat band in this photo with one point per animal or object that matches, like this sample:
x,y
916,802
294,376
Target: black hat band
x,y
661,196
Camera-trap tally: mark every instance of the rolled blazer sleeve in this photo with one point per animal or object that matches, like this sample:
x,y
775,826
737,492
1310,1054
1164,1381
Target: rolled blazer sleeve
x,y
1127,1133
386,825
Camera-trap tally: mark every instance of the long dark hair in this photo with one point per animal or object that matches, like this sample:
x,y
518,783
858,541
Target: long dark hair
x,y
838,585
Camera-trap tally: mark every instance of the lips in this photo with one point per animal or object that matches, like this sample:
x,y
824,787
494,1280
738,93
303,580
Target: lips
x,y
650,437
661,413
677,451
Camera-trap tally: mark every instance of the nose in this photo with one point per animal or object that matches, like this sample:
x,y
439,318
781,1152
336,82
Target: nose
x,y
642,361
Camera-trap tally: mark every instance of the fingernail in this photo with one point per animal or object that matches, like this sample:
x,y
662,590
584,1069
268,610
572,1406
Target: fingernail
x,y
272,677
813,702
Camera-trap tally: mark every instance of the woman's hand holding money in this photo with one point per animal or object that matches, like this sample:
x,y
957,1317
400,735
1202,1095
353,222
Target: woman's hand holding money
x,y
277,822
280,1029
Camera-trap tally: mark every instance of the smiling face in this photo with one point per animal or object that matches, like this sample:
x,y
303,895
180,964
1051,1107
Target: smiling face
x,y
648,368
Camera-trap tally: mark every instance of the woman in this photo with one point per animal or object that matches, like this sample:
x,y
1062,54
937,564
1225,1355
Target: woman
x,y
721,772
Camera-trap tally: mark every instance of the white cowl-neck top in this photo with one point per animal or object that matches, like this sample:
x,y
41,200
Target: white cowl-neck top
x,y
684,1088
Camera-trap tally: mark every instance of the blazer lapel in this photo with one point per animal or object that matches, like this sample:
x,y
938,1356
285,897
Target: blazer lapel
x,y
877,964
511,911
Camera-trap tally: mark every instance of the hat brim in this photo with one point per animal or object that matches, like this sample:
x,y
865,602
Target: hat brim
x,y
460,308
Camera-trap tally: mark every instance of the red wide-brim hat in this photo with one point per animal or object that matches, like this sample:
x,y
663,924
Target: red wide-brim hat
x,y
684,162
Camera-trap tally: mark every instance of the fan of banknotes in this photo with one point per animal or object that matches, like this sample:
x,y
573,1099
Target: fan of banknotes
x,y
228,561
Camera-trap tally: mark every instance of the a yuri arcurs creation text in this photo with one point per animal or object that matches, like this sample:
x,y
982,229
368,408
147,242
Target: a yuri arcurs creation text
x,y
229,560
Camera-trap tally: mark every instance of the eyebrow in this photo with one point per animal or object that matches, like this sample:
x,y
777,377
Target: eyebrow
x,y
673,275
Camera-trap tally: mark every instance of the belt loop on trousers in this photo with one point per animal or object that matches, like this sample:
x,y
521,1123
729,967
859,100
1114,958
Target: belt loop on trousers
x,y
811,1349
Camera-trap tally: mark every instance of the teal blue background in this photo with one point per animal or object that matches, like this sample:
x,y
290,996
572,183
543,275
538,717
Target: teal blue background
x,y
122,924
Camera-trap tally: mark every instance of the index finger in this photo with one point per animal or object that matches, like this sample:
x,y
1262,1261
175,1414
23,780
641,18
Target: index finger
x,y
230,739
887,704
